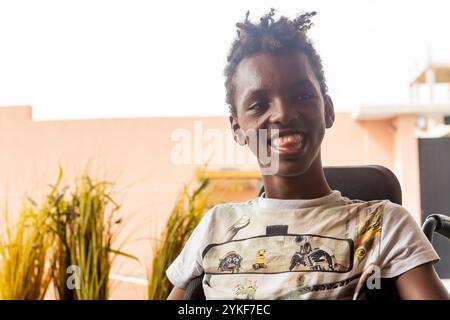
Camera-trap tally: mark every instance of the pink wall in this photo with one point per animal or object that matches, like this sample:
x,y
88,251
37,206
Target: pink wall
x,y
389,142
407,162
350,142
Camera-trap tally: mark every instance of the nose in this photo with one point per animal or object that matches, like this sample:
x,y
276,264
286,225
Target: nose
x,y
282,112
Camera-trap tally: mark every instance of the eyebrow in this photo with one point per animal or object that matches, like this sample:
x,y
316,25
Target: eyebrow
x,y
302,83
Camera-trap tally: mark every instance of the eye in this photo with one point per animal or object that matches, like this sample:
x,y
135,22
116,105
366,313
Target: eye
x,y
305,96
229,259
236,259
258,106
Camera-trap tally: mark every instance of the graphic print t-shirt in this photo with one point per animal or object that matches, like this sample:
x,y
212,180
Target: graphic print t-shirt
x,y
324,248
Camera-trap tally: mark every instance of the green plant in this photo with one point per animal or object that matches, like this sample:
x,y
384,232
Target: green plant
x,y
85,222
67,240
189,207
25,248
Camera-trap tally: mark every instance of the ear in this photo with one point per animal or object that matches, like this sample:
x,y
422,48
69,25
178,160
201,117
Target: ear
x,y
329,112
238,133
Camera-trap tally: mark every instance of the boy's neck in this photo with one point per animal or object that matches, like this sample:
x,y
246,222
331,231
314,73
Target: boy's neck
x,y
310,185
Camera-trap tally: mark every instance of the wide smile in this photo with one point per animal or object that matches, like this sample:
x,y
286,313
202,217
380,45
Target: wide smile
x,y
288,144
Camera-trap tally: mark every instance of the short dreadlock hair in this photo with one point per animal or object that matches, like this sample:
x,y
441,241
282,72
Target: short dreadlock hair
x,y
270,36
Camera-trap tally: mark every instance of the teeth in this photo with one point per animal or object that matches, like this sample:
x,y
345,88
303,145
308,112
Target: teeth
x,y
288,139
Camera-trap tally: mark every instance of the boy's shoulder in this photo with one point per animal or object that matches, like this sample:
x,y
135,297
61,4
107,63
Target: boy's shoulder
x,y
229,207
225,208
391,214
385,203
236,205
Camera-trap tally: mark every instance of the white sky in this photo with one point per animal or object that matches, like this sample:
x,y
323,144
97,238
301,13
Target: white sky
x,y
103,59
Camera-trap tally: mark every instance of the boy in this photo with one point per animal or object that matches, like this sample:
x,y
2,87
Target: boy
x,y
300,239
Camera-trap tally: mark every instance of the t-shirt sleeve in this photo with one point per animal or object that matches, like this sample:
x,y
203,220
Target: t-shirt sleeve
x,y
403,245
188,264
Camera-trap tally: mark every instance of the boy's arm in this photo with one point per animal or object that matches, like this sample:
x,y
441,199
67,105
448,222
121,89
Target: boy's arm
x,y
188,264
421,283
176,294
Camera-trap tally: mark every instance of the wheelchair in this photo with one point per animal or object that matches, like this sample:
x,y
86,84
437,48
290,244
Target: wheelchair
x,y
352,182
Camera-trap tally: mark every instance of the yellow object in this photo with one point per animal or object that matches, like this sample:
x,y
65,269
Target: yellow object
x,y
441,74
261,257
218,174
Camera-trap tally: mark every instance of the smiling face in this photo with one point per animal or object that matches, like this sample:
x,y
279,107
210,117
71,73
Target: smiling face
x,y
280,91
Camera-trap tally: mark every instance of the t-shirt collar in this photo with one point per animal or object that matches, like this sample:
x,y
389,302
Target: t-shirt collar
x,y
270,203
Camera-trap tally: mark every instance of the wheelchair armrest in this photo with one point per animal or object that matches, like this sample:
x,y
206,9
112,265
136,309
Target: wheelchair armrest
x,y
437,222
194,289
